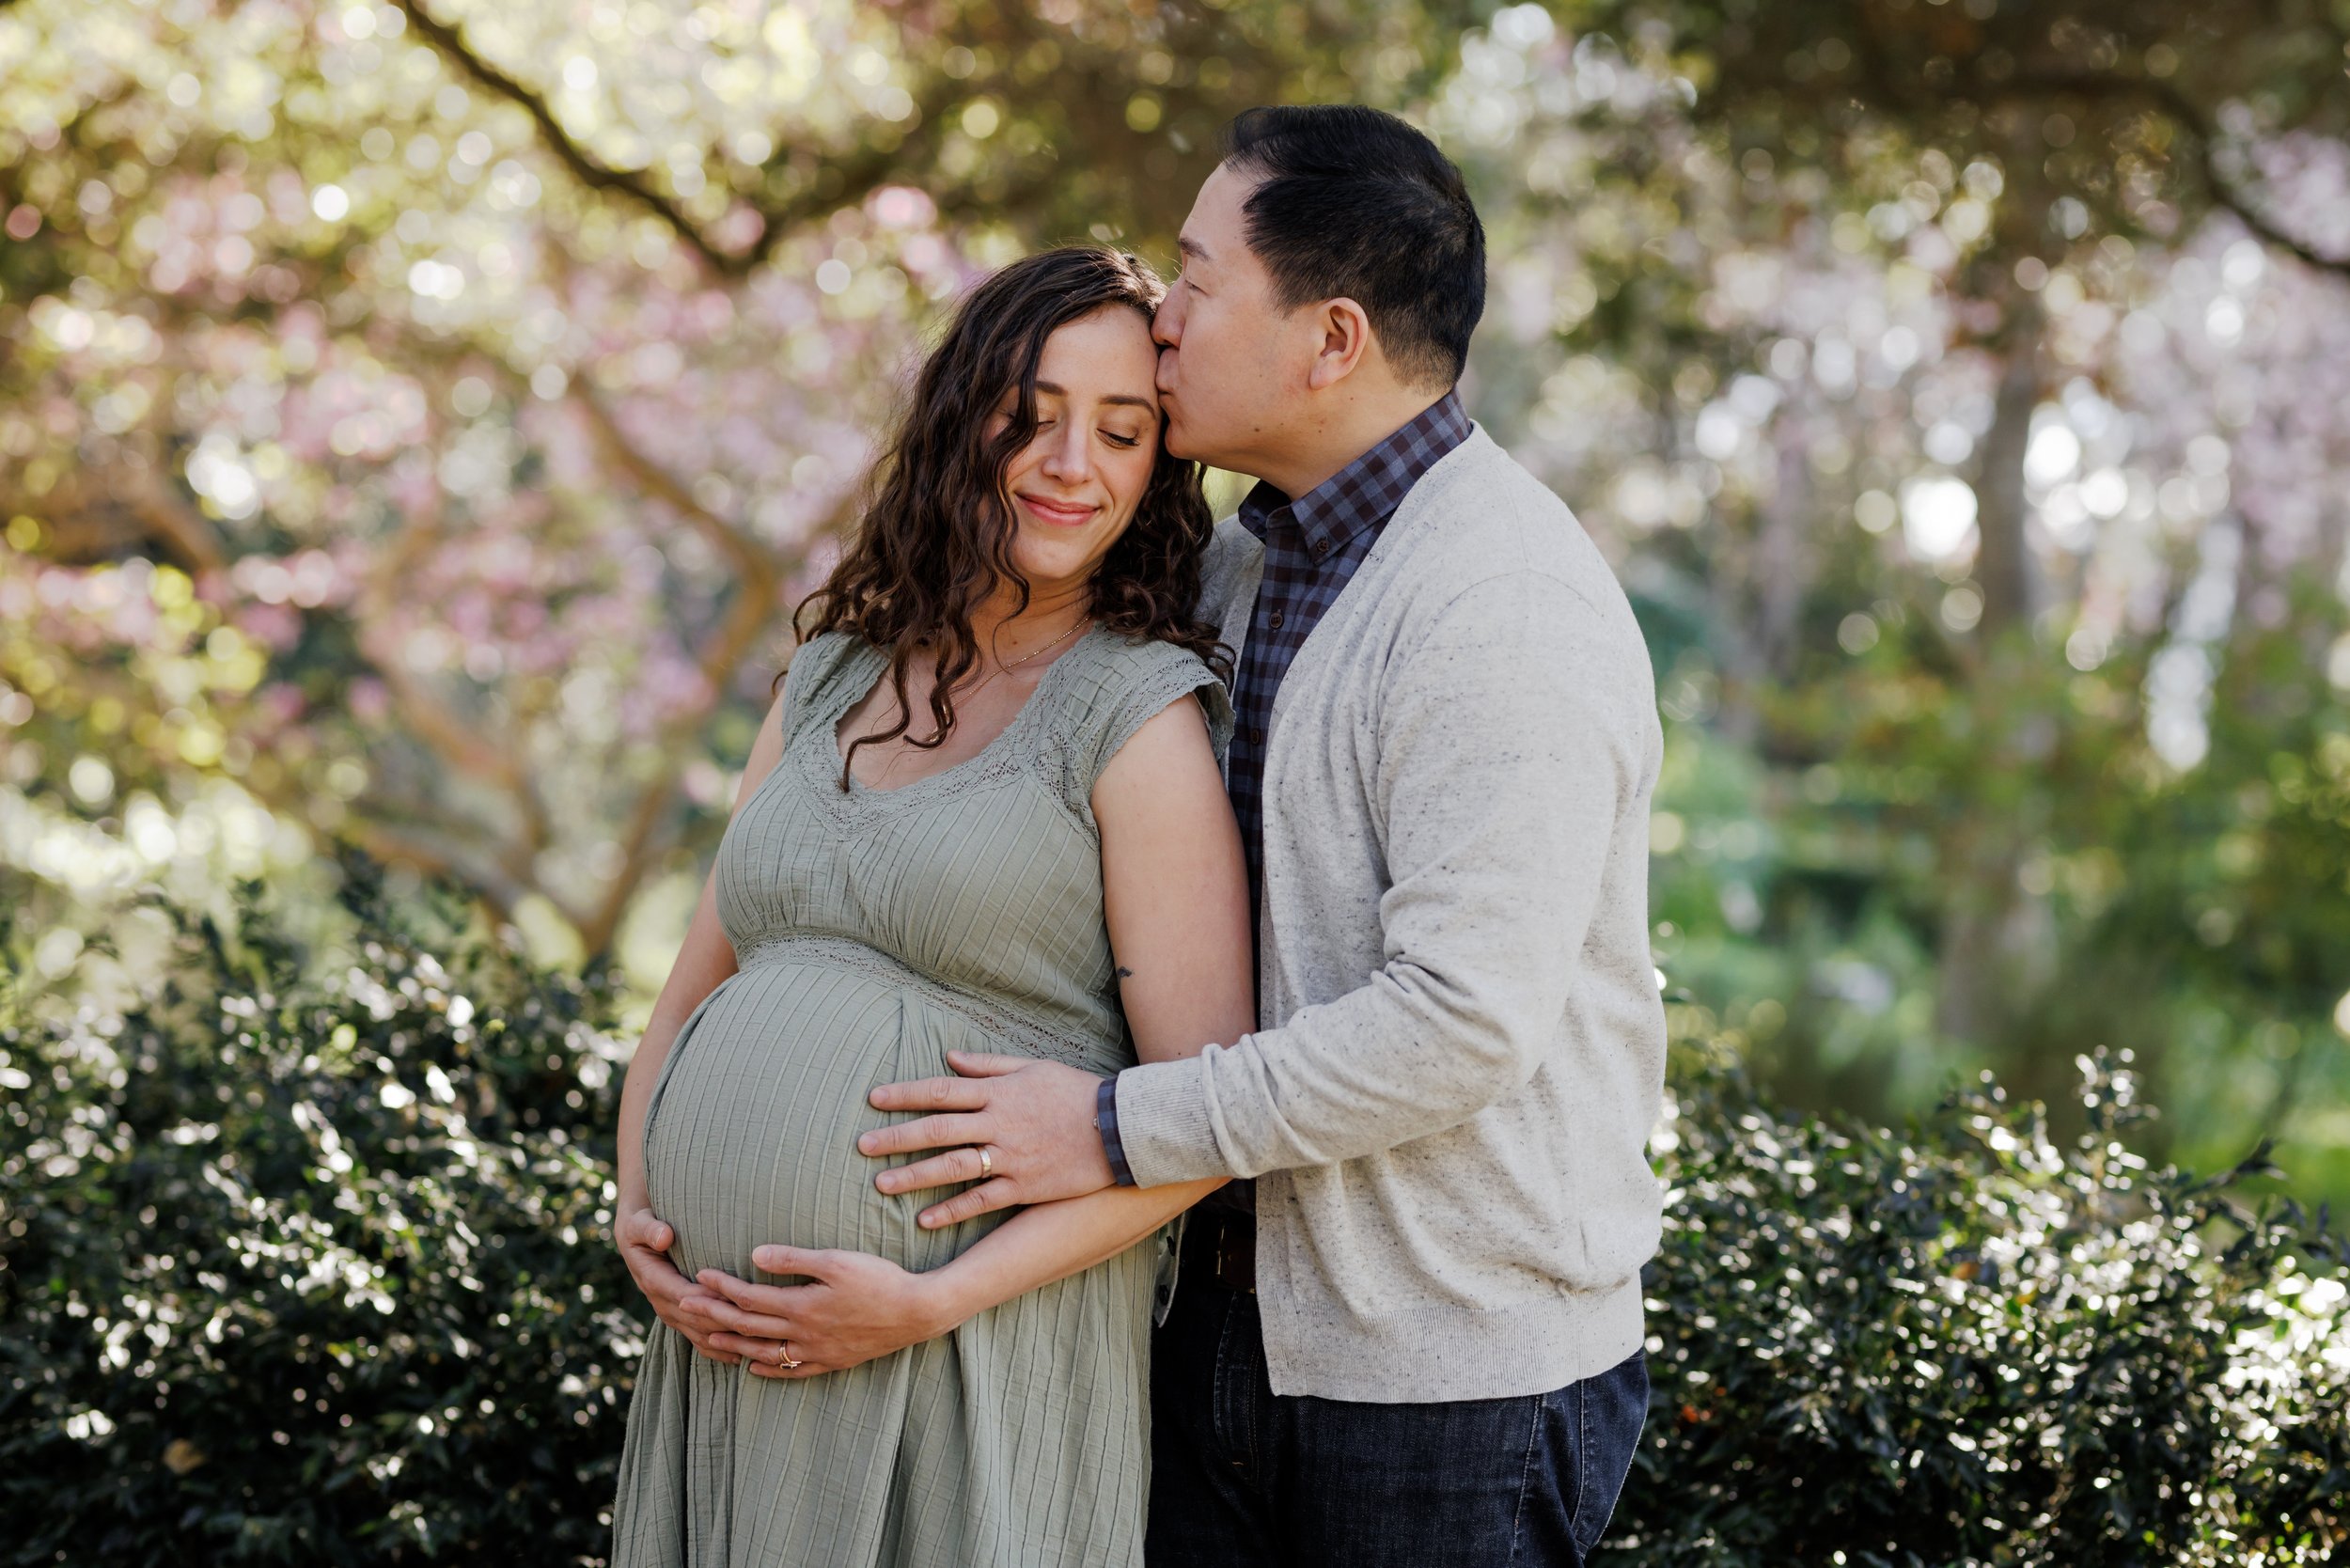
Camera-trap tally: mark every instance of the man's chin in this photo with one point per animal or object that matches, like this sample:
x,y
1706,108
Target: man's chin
x,y
1179,441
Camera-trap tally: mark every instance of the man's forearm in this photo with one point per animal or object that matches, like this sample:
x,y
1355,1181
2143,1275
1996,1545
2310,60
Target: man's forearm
x,y
1307,1094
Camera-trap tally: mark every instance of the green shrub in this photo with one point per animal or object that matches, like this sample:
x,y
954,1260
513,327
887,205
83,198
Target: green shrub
x,y
313,1271
304,1269
1972,1345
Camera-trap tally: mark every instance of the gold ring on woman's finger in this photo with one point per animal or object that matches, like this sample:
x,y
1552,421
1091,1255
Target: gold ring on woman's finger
x,y
787,1360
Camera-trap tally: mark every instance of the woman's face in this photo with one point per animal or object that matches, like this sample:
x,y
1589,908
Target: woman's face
x,y
1074,487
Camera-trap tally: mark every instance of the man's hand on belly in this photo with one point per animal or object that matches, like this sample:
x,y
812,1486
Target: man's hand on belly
x,y
1034,1121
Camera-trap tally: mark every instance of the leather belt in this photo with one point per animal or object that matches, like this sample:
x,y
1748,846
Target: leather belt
x,y
1221,1244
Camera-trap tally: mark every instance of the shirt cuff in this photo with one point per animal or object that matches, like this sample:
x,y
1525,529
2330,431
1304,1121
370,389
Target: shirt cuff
x,y
1105,1119
1167,1134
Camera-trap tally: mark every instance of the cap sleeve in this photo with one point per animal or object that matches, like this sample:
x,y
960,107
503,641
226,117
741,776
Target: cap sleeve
x,y
1124,687
812,683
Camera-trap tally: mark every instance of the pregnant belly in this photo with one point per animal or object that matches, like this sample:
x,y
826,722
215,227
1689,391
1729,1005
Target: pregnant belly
x,y
753,1136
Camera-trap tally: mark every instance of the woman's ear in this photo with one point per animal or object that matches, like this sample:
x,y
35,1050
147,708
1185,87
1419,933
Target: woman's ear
x,y
1345,329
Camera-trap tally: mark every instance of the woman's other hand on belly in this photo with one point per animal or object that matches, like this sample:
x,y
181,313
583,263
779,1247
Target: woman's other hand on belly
x,y
644,1242
855,1307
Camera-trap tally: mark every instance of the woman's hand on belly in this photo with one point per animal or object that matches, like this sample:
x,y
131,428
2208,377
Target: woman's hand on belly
x,y
644,1245
856,1308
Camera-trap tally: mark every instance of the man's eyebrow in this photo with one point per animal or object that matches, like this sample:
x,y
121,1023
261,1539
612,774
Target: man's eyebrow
x,y
1058,391
1191,250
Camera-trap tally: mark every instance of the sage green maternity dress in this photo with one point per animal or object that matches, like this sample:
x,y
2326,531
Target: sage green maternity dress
x,y
875,931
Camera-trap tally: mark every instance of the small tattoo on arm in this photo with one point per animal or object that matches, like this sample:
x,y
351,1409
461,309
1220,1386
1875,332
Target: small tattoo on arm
x,y
1124,973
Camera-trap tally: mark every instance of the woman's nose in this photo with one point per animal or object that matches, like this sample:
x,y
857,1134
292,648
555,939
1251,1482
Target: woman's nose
x,y
1065,460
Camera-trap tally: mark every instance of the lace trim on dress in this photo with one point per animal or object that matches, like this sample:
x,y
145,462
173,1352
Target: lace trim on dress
x,y
1025,1035
1012,755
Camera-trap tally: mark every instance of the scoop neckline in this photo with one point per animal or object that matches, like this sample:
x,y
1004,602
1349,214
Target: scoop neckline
x,y
829,731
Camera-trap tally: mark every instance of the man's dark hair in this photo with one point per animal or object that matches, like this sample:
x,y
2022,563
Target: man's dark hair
x,y
1354,203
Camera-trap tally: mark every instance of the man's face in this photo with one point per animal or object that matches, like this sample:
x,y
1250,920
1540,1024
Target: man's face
x,y
1232,364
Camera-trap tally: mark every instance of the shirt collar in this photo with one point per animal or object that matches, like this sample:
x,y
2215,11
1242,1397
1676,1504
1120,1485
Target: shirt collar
x,y
1365,493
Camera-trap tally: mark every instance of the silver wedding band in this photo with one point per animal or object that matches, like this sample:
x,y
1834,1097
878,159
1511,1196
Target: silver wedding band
x,y
987,1162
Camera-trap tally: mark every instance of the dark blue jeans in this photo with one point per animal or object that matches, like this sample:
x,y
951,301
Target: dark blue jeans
x,y
1243,1479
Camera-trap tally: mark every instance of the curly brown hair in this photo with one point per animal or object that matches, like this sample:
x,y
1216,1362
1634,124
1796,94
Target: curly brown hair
x,y
936,540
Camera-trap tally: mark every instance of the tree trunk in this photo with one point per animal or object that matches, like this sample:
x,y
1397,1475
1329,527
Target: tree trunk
x,y
2004,568
1783,558
1996,954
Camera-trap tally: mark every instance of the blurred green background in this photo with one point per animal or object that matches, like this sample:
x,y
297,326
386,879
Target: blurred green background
x,y
417,419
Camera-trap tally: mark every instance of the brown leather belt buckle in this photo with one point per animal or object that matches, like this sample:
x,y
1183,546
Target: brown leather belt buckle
x,y
1234,1253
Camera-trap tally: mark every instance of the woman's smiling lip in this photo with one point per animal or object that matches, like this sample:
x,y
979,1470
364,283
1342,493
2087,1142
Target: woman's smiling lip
x,y
1060,513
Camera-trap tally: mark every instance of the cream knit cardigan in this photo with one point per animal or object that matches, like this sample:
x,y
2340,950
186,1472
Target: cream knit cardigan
x,y
1462,1051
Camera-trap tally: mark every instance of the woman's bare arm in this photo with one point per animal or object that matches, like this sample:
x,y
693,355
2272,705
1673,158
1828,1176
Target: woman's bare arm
x,y
705,961
1175,890
1176,897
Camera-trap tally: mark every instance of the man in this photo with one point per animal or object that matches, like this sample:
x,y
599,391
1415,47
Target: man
x,y
1415,1338
1424,1344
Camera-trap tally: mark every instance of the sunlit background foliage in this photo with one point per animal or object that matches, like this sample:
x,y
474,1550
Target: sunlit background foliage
x,y
417,419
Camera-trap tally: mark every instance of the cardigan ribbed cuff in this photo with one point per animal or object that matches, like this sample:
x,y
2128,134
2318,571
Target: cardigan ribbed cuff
x,y
1163,1123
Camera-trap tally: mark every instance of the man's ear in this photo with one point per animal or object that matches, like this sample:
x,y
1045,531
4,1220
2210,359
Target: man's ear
x,y
1345,329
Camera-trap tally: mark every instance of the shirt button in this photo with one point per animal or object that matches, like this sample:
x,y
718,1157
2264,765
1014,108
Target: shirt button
x,y
1255,734
1320,548
1276,621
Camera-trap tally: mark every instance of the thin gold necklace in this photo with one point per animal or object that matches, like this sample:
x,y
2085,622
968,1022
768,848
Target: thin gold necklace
x,y
891,762
1046,648
981,685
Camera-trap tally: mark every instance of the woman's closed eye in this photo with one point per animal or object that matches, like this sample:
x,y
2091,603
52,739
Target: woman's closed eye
x,y
1114,437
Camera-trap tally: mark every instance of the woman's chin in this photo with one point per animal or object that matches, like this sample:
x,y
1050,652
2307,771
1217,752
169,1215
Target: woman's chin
x,y
1058,559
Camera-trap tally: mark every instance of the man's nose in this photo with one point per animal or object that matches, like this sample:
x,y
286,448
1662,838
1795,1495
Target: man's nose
x,y
1166,323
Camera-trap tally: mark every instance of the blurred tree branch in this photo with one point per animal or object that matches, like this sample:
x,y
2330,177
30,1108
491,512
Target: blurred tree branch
x,y
758,564
589,170
436,854
868,168
2218,185
90,523
289,371
508,872
759,575
448,736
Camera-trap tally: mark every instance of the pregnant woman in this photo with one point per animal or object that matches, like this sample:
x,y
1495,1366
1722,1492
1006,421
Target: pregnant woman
x,y
986,815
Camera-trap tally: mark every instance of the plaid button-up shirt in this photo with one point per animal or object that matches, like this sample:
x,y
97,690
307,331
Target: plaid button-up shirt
x,y
1311,548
